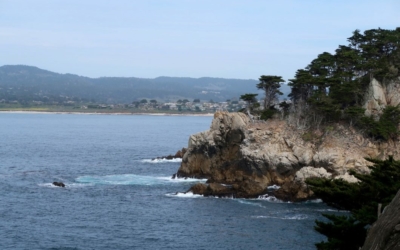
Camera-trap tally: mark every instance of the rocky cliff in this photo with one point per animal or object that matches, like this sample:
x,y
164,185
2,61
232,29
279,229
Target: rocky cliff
x,y
385,233
242,158
249,157
381,95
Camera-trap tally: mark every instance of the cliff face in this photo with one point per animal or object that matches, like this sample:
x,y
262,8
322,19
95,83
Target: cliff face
x,y
249,157
380,95
385,233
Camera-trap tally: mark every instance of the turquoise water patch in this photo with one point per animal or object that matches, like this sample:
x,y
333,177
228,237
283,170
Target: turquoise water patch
x,y
133,179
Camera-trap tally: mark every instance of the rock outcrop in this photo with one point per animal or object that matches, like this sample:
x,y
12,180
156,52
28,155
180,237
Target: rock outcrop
x,y
58,184
246,158
177,155
385,233
381,95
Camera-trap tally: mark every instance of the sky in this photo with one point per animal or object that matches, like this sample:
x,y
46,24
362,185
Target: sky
x,y
241,39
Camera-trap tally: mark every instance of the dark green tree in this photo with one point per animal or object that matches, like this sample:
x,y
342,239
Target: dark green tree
x,y
361,199
251,101
302,87
270,85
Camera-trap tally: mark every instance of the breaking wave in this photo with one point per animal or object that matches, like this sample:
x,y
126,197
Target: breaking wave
x,y
163,160
286,217
132,179
185,195
270,198
67,185
274,187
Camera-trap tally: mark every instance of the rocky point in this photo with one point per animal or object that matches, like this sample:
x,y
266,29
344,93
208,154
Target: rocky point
x,y
244,158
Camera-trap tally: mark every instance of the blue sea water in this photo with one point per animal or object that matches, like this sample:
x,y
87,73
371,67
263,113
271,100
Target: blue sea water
x,y
117,198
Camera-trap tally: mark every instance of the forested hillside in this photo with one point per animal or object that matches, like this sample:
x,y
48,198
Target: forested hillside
x,y
26,84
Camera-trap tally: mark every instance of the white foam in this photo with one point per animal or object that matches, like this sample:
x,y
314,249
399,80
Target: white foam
x,y
287,217
176,179
163,160
132,179
314,201
49,185
185,195
248,202
269,198
67,185
333,210
274,187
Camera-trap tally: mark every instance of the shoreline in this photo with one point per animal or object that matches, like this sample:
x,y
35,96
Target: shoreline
x,y
99,113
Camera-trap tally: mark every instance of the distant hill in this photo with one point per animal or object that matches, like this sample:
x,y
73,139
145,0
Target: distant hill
x,y
27,83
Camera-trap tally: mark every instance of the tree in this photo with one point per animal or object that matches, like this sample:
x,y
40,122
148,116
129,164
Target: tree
x,y
251,101
196,100
361,199
270,85
153,101
143,101
387,127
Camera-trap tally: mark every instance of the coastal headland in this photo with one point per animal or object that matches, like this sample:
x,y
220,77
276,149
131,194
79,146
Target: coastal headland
x,y
247,159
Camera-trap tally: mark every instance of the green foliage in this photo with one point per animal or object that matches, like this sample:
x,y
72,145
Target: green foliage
x,y
270,85
251,101
343,232
285,106
386,127
361,199
267,113
333,85
308,136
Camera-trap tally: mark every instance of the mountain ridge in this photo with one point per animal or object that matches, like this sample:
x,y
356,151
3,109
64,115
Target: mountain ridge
x,y
30,83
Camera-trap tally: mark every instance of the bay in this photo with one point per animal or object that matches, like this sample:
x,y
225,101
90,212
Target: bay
x,y
117,198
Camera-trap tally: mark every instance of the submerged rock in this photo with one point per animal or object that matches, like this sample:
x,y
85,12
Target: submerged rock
x,y
177,155
250,156
58,184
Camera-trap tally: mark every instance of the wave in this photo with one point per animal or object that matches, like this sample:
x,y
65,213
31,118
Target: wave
x,y
163,160
185,195
332,210
274,187
67,185
180,179
270,198
314,201
287,217
248,202
133,179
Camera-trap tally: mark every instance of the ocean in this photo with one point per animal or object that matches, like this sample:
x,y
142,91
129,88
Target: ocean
x,y
116,197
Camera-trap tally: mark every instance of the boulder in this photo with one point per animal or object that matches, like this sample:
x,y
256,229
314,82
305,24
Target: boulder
x,y
212,189
177,155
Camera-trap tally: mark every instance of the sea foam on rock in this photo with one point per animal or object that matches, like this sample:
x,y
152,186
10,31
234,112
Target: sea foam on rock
x,y
251,156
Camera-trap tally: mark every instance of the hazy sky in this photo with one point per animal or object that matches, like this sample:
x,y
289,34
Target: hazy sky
x,y
193,38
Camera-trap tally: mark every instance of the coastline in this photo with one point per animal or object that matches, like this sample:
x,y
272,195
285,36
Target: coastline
x,y
100,113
